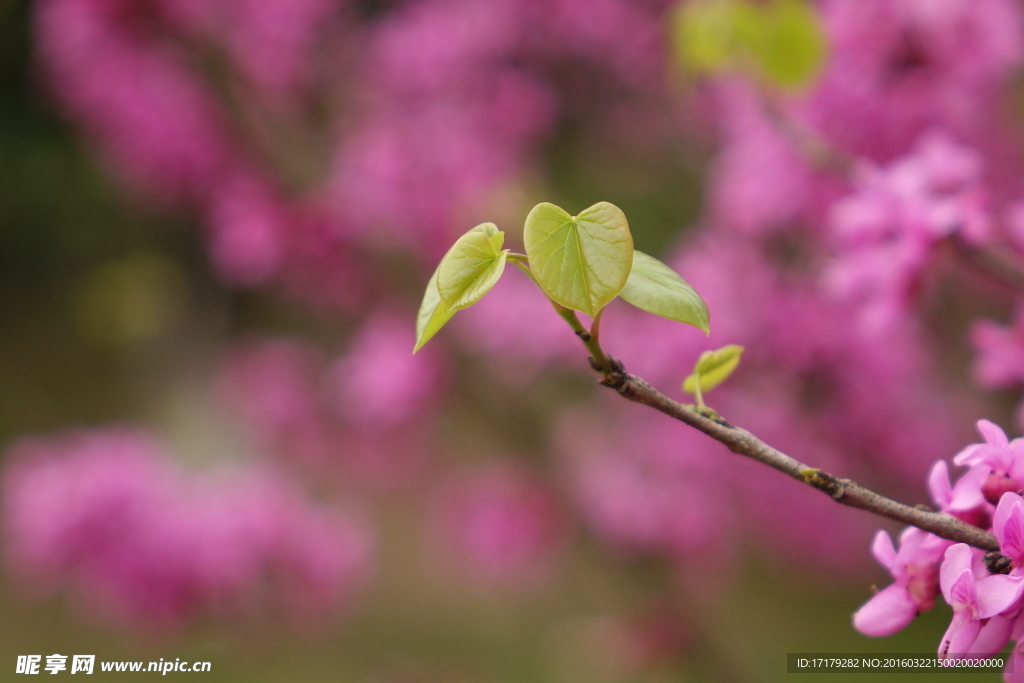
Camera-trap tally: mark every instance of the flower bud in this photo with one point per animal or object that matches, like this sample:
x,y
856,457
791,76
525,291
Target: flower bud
x,y
996,485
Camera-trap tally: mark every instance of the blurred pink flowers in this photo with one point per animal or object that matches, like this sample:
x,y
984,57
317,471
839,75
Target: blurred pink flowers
x,y
500,526
109,517
900,67
886,232
365,417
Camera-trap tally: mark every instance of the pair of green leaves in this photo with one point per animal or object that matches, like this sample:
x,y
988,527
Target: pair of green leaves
x,y
781,40
581,262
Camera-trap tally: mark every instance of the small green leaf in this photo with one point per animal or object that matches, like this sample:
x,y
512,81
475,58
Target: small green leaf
x,y
471,267
433,313
713,368
582,262
657,289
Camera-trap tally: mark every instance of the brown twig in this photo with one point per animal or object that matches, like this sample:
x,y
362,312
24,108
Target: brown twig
x,y
842,491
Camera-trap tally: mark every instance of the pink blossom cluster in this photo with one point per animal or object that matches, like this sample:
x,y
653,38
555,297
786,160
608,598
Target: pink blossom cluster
x,y
364,417
108,517
306,137
986,591
887,231
897,68
499,524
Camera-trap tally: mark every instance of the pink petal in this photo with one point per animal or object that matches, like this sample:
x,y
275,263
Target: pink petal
x,y
883,549
963,595
1003,510
1017,464
966,494
993,636
1008,525
993,433
971,455
1018,629
957,562
996,593
886,613
938,484
960,635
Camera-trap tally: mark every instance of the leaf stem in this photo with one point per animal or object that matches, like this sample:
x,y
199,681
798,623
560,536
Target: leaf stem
x,y
595,326
525,268
599,360
698,395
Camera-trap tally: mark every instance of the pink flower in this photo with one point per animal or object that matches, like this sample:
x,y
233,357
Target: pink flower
x,y
973,599
1008,527
964,500
914,569
1003,458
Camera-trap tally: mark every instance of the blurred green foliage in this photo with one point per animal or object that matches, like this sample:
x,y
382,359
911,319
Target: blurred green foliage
x,y
779,41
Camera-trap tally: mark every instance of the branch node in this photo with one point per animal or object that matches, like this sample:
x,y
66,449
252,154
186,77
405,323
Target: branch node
x,y
823,481
809,473
584,335
617,378
722,421
711,414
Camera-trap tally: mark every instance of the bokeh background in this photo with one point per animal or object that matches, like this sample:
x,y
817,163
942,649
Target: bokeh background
x,y
217,218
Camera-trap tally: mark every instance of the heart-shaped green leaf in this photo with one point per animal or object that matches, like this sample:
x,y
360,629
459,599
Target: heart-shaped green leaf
x,y
433,313
713,368
582,262
657,289
471,267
